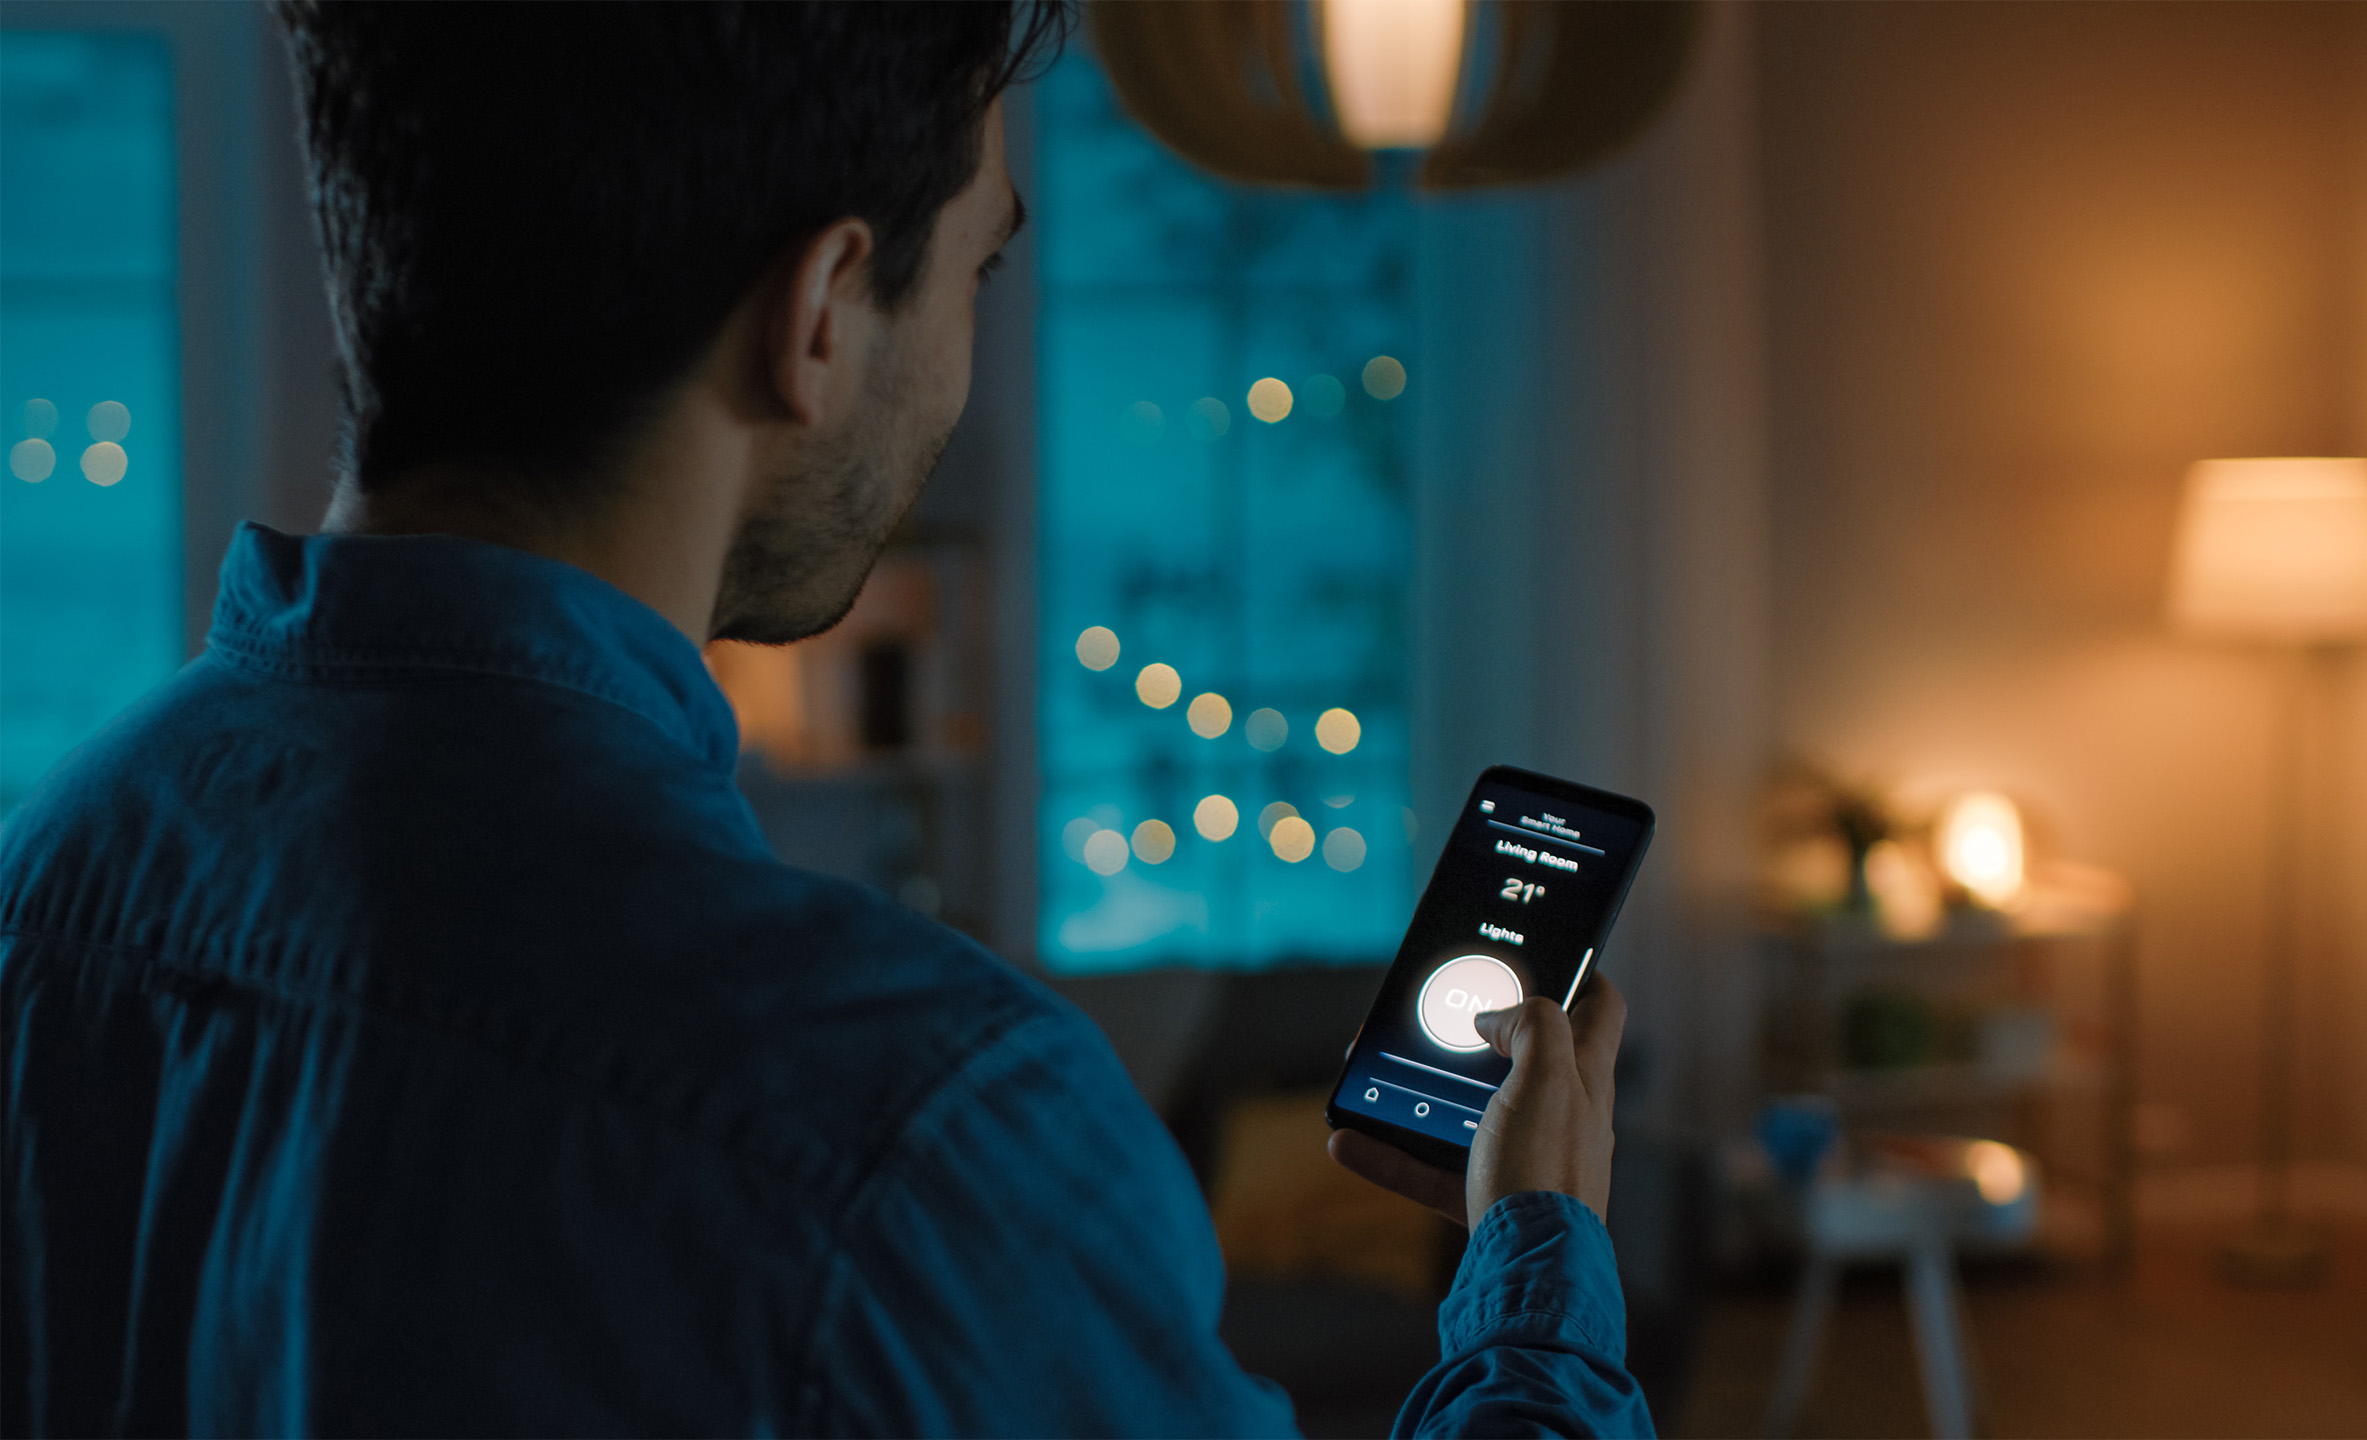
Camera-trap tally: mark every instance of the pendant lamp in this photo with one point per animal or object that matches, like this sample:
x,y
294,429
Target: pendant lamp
x,y
1300,93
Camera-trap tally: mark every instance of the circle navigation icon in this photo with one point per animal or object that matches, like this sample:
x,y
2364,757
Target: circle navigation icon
x,y
1457,992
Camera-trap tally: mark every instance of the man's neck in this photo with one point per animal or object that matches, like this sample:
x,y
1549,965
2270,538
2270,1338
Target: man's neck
x,y
659,530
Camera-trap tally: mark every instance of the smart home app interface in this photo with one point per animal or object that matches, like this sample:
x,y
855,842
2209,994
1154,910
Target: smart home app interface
x,y
1518,905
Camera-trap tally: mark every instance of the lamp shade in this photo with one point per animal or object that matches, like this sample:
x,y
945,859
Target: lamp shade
x,y
1392,67
2272,550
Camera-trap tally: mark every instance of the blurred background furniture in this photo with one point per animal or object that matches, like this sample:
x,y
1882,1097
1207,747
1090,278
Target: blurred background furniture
x,y
1910,1201
2016,1028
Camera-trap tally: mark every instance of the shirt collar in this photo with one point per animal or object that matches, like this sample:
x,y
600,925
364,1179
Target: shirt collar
x,y
340,606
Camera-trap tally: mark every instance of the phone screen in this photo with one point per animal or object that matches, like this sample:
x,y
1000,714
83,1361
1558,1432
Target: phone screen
x,y
1520,904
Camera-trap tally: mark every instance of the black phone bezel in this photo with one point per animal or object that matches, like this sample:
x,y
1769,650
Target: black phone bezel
x,y
1446,1154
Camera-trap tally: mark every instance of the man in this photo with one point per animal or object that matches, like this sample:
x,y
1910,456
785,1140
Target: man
x,y
407,1029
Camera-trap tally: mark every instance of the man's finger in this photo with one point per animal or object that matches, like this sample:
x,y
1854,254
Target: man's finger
x,y
1519,1030
1393,1170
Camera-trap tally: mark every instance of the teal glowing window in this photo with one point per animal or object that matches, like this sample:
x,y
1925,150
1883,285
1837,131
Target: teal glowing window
x,y
1225,546
90,509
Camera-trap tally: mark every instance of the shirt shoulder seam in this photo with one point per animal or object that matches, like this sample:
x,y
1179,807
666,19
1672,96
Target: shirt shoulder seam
x,y
382,665
574,1080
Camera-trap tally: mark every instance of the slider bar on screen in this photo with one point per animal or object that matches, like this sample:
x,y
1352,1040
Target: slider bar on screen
x,y
1541,835
1433,1069
1433,1099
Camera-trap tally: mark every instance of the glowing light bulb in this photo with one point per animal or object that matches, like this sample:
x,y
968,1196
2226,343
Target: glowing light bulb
x,y
1209,715
1097,647
1105,852
1343,849
32,460
1980,843
1208,418
1269,400
104,463
1215,817
1338,731
1154,841
1997,1171
1391,67
1293,839
1158,686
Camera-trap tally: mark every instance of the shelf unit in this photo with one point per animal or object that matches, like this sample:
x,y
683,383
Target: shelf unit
x,y
2035,1018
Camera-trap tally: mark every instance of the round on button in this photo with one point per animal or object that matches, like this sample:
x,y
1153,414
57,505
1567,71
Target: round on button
x,y
1458,991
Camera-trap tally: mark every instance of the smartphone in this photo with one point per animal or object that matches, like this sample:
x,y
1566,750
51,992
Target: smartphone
x,y
1521,904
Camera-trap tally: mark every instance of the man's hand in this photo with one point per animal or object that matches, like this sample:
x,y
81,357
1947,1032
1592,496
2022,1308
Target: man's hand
x,y
1548,1127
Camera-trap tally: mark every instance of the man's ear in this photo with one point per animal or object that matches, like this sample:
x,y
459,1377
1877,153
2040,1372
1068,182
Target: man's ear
x,y
823,319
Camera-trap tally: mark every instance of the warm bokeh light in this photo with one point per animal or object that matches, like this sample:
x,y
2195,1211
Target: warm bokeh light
x,y
39,417
1980,845
1097,647
32,460
1154,841
1906,892
104,463
1391,66
1274,815
1142,422
1158,685
1209,715
2273,549
1323,395
1105,852
1997,1171
1338,730
1075,833
1216,818
1343,849
109,420
1293,839
1209,419
1384,378
1266,729
1269,400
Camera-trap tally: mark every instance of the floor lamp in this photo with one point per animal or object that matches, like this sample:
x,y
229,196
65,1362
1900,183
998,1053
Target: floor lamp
x,y
2274,552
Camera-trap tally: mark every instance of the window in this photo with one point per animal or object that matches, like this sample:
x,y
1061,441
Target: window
x,y
1225,542
90,512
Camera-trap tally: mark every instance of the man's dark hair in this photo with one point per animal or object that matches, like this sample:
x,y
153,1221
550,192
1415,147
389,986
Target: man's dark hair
x,y
537,216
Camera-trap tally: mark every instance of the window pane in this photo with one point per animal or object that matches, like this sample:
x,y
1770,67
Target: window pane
x,y
1256,543
90,510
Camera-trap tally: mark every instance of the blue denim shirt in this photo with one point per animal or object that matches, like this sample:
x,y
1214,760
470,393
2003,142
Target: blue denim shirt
x,y
408,1030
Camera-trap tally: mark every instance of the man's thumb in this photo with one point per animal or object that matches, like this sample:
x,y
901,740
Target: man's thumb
x,y
1511,1031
